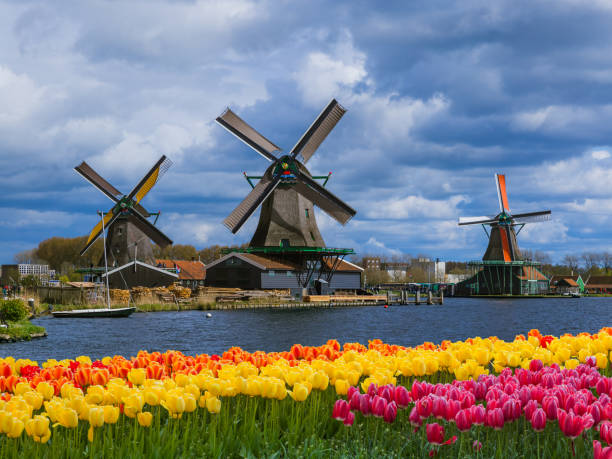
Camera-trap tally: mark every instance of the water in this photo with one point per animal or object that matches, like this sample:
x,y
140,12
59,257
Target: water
x,y
192,333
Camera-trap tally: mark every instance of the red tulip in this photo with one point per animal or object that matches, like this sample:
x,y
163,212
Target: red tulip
x,y
602,386
530,408
385,393
467,399
480,390
463,419
452,408
390,412
351,390
495,419
478,414
601,453
511,410
524,395
341,409
350,418
402,396
476,446
538,420
372,390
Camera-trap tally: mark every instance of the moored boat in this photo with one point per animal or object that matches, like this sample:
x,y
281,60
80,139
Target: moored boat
x,y
89,313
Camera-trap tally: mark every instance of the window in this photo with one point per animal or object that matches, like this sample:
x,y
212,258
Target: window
x,y
284,243
307,216
289,273
271,273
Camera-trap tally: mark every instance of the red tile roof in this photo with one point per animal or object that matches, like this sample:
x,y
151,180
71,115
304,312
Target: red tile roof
x,y
532,273
188,270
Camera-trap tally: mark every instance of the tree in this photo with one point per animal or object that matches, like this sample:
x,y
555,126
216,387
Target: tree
x,y
26,256
175,252
571,261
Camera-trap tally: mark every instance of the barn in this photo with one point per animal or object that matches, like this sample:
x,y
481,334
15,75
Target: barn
x,y
250,271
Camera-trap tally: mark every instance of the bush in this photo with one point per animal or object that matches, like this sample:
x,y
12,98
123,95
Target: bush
x,y
13,310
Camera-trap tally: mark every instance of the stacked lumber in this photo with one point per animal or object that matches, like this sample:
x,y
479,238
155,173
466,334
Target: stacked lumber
x,y
119,296
179,291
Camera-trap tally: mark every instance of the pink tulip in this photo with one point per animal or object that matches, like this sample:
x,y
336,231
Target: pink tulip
x,y
480,391
438,407
402,396
364,404
605,432
573,425
538,420
452,408
372,390
595,410
550,405
601,453
415,419
424,407
350,418
377,406
435,433
463,419
351,390
524,395
390,412
536,365
495,419
530,408
511,410
355,401
467,399
537,393
341,409
476,446
602,386
478,414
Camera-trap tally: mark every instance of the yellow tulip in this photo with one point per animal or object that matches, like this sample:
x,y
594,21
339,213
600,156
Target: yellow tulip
x,y
152,396
95,395
602,360
53,409
111,414
214,387
268,388
83,359
320,380
570,364
68,418
213,405
21,388
133,404
192,389
16,428
90,434
137,376
38,429
341,386
299,393
34,399
190,403
145,418
96,416
175,404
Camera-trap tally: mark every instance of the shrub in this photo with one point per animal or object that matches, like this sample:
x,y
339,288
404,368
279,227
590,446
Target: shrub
x,y
13,310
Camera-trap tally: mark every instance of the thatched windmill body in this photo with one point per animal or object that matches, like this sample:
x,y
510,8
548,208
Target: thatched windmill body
x,y
503,269
287,194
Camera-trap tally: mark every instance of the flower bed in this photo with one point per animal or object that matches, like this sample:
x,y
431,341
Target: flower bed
x,y
537,396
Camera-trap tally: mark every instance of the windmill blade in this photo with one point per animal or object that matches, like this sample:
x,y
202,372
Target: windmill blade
x,y
250,204
318,131
532,217
332,205
476,220
502,196
97,230
150,179
237,126
149,229
503,233
87,172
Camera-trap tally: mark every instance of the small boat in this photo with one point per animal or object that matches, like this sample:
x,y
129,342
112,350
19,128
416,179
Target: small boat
x,y
89,313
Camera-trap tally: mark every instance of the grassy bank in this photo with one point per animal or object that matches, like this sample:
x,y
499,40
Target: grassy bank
x,y
21,330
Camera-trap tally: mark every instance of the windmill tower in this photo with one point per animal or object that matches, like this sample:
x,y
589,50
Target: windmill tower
x,y
503,270
287,194
129,232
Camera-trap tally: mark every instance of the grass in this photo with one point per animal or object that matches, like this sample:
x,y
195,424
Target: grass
x,y
21,330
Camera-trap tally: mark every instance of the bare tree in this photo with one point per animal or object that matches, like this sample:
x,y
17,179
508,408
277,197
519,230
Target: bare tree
x,y
590,260
571,261
542,257
606,261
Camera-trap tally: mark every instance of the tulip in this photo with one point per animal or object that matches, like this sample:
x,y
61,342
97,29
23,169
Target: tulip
x,y
377,406
605,432
341,409
34,399
438,407
415,419
550,405
341,386
530,408
478,414
175,404
355,401
452,408
96,416
16,428
111,414
46,390
402,396
511,409
213,405
299,392
390,412
68,418
573,425
350,418
424,407
538,420
476,446
364,404
435,433
38,429
145,418
495,419
601,453
463,419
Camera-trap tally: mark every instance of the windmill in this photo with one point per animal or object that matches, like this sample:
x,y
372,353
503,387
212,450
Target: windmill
x,y
503,270
129,231
287,193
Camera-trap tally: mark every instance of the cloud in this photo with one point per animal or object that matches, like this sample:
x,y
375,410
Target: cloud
x,y
415,206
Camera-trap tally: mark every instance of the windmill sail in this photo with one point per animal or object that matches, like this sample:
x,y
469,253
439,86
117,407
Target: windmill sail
x,y
332,205
245,209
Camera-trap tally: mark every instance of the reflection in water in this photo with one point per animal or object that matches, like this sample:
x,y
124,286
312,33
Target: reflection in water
x,y
192,333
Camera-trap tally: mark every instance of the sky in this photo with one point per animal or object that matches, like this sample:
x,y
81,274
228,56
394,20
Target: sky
x,y
440,96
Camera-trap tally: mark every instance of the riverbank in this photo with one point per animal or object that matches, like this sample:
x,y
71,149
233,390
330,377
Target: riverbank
x,y
22,330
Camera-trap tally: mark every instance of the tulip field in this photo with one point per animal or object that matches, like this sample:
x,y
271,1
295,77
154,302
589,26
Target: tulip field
x,y
536,396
